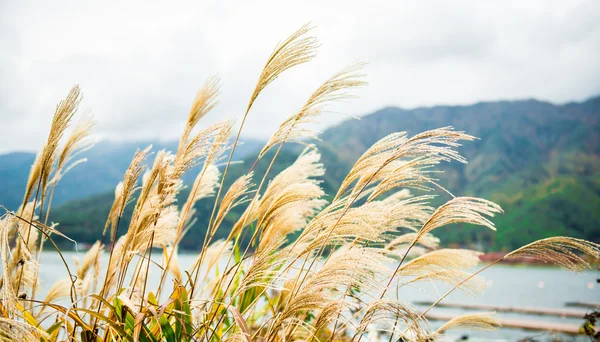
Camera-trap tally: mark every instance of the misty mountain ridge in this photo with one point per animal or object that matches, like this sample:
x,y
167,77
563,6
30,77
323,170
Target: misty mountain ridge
x,y
106,163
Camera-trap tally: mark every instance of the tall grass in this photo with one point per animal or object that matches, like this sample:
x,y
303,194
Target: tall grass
x,y
309,270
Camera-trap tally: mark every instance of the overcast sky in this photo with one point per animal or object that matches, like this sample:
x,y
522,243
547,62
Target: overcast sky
x,y
140,63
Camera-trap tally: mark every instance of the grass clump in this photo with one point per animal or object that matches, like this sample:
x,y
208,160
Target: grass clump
x,y
308,269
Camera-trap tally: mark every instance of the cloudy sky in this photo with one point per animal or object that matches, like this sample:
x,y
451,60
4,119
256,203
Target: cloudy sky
x,y
140,63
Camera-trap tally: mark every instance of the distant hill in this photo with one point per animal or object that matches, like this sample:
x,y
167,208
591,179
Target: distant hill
x,y
540,161
107,161
83,220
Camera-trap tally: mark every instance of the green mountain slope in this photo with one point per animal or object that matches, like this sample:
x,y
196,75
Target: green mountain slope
x,y
565,205
539,161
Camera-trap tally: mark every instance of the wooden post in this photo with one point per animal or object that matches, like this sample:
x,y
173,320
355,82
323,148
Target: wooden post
x,y
524,310
565,328
588,305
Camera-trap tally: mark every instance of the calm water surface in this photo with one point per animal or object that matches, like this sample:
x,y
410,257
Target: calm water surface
x,y
507,286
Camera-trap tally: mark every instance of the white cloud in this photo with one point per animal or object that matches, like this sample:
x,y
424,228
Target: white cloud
x,y
139,63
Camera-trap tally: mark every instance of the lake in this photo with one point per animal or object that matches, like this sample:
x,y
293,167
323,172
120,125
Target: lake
x,y
519,286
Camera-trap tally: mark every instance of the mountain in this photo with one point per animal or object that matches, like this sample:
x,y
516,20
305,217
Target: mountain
x,y
106,163
538,160
514,135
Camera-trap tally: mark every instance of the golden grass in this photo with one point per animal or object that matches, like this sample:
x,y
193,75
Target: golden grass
x,y
313,270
